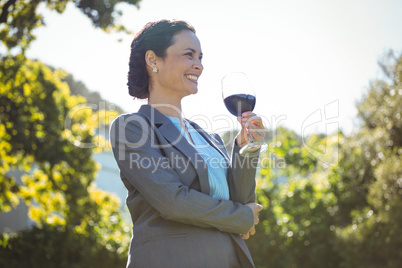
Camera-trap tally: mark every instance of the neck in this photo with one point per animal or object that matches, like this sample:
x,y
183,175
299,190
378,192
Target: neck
x,y
167,105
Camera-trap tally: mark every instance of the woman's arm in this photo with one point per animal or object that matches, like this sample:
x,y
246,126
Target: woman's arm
x,y
242,182
241,174
244,168
160,185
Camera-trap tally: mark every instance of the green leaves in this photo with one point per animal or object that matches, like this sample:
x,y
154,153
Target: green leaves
x,y
43,151
46,151
348,215
19,18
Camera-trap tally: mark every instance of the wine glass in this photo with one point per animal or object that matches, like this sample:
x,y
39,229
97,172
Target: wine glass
x,y
239,97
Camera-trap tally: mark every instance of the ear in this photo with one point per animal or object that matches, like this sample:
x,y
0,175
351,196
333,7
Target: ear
x,y
151,59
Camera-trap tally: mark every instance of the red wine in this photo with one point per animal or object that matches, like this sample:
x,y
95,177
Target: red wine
x,y
239,103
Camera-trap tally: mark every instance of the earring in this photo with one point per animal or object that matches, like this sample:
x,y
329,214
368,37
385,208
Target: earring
x,y
155,70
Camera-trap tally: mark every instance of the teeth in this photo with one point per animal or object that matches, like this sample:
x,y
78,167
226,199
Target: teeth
x,y
192,77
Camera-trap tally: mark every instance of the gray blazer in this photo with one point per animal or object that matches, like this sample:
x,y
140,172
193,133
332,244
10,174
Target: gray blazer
x,y
176,222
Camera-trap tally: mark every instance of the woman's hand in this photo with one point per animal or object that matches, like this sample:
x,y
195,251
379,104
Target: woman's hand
x,y
255,208
251,123
249,233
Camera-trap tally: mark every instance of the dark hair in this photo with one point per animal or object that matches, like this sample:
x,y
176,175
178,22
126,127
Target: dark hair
x,y
156,36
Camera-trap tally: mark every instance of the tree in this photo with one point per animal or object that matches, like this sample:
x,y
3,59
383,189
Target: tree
x,y
57,184
348,215
77,225
295,224
100,241
368,181
18,18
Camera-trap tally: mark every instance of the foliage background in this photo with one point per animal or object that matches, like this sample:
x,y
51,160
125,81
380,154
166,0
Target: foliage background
x,y
345,215
315,214
49,135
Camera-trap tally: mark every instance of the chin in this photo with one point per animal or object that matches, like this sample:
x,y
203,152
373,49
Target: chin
x,y
192,91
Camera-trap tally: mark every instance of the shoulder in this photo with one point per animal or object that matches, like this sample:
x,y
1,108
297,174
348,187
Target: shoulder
x,y
144,115
133,119
129,126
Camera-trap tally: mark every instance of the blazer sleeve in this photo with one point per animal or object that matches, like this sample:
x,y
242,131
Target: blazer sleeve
x,y
158,183
241,177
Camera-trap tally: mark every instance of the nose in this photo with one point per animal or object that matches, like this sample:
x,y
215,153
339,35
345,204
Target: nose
x,y
198,66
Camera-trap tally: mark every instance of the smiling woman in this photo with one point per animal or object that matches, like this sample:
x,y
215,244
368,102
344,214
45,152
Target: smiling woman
x,y
178,71
155,38
185,194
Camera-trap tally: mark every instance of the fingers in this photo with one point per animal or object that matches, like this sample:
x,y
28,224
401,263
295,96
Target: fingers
x,y
249,234
255,130
252,231
251,118
256,219
255,208
251,123
245,236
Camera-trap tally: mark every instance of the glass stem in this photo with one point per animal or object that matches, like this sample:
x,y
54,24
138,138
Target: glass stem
x,y
250,137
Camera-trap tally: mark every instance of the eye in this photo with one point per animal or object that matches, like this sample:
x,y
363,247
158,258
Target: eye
x,y
190,54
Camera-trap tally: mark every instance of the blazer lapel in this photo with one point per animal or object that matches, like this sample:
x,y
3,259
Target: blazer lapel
x,y
210,140
176,139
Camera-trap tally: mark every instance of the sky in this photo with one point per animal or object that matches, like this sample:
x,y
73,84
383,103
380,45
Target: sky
x,y
309,61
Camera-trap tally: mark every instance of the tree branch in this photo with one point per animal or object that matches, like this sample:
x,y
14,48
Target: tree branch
x,y
4,13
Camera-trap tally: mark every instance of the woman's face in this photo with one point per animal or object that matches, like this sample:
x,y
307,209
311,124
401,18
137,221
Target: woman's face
x,y
179,70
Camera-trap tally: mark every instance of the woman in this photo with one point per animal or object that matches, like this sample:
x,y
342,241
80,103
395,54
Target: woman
x,y
188,201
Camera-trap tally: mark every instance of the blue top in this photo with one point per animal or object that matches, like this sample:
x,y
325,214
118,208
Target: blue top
x,y
216,163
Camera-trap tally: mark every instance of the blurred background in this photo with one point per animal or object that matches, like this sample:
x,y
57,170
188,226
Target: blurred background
x,y
328,80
